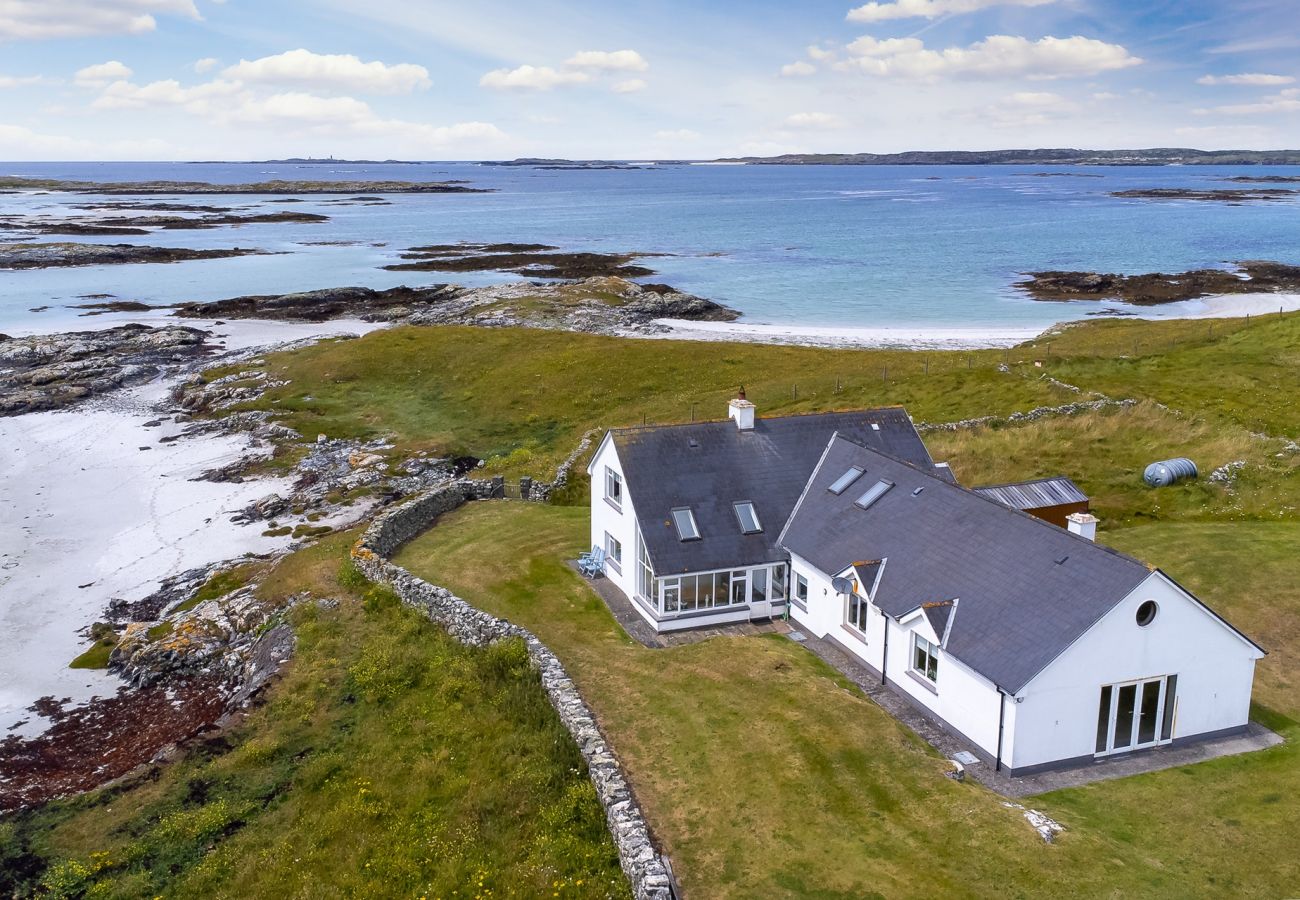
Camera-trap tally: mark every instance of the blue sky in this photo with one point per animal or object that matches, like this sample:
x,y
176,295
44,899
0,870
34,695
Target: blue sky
x,y
237,79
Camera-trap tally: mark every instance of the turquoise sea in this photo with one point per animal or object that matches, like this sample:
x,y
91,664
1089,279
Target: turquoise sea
x,y
859,246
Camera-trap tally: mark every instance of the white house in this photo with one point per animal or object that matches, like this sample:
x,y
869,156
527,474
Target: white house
x,y
1038,646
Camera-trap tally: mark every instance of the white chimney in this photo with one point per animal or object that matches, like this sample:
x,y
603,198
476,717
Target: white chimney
x,y
1083,524
742,412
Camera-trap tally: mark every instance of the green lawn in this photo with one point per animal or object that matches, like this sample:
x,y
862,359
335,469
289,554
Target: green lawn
x,y
391,761
765,774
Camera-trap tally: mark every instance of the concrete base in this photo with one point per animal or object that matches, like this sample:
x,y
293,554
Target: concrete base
x,y
1055,777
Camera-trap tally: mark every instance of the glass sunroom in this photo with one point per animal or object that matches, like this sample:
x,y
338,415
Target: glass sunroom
x,y
756,590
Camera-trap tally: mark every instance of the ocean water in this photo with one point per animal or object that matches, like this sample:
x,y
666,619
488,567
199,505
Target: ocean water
x,y
897,246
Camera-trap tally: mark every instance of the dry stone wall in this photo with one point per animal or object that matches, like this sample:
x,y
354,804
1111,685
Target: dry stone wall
x,y
644,866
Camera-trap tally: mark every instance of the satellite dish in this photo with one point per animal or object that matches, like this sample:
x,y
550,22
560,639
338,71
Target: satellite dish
x,y
842,585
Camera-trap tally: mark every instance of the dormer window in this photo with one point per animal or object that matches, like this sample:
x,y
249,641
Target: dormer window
x,y
748,518
842,483
684,519
873,493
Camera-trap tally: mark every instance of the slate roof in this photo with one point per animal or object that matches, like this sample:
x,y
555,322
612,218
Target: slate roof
x,y
1025,589
1035,494
709,466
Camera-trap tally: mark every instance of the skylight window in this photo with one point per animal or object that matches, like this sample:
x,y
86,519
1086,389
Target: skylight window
x,y
873,493
684,519
748,517
842,483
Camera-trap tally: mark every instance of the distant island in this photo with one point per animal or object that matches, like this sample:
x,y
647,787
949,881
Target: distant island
x,y
1158,156
315,161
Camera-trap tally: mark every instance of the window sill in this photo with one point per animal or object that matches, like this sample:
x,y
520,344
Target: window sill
x,y
857,635
798,604
614,506
614,564
923,681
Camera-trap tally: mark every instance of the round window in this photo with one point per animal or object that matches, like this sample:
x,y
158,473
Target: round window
x,y
1146,613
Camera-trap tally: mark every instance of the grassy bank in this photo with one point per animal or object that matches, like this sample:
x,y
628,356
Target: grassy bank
x,y
390,761
766,774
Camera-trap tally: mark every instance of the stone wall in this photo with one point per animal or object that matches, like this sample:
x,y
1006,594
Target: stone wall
x,y
644,867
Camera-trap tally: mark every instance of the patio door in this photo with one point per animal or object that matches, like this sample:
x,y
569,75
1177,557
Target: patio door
x,y
1134,715
760,607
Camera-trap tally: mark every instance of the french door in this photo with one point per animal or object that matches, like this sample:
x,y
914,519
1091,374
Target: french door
x,y
1133,715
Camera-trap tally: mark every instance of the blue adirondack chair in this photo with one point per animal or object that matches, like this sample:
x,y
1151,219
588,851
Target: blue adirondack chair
x,y
593,563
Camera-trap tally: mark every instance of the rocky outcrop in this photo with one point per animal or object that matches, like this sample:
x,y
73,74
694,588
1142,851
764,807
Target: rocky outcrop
x,y
63,253
597,305
532,260
1251,277
143,224
1234,196
145,188
371,305
642,863
52,371
603,305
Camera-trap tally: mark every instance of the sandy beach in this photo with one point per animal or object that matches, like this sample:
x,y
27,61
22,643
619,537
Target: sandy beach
x,y
93,507
922,337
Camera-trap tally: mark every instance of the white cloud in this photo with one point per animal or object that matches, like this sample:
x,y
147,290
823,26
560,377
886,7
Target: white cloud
x,y
997,56
813,121
631,86
101,74
44,19
608,61
678,134
1287,101
1104,96
798,68
1256,79
347,116
330,71
13,81
206,64
928,9
18,142
531,78
170,93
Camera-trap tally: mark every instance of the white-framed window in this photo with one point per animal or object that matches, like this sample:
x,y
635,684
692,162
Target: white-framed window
x,y
614,487
684,519
614,551
779,582
800,588
855,613
748,517
646,583
925,658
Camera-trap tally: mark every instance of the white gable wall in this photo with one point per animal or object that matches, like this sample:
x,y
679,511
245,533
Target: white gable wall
x,y
965,700
1057,717
605,518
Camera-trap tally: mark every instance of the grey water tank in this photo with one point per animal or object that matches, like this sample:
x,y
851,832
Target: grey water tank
x,y
1169,471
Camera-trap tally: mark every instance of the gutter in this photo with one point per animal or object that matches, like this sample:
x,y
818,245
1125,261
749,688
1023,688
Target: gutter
x,y
884,655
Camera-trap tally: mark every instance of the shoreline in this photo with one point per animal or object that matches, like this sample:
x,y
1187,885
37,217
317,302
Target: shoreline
x,y
87,516
927,337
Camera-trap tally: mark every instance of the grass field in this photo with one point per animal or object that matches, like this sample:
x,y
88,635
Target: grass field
x,y
765,774
390,761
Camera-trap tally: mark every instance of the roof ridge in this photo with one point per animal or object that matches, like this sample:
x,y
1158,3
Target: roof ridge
x,y
989,487
798,415
971,492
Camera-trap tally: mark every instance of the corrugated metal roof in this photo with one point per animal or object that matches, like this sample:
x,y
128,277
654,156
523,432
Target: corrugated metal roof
x,y
709,466
1035,494
1020,604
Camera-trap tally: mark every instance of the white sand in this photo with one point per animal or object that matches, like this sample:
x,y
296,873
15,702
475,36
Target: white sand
x,y
924,337
81,504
